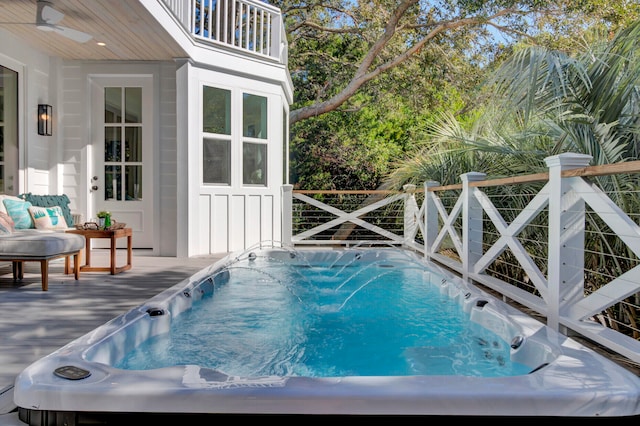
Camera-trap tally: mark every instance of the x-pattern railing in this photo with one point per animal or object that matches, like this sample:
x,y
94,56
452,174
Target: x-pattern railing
x,y
341,217
562,298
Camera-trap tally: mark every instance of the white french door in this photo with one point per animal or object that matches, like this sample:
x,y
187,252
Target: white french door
x,y
8,131
122,173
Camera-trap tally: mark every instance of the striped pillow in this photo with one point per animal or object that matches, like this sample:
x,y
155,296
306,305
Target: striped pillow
x,y
6,224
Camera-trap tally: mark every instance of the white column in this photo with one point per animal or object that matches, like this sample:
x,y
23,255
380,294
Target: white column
x,y
565,278
411,213
287,215
430,218
471,224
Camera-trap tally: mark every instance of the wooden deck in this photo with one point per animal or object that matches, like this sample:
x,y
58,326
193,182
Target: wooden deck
x,y
34,323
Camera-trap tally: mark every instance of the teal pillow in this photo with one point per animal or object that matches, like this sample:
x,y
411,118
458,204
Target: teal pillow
x,y
51,201
19,212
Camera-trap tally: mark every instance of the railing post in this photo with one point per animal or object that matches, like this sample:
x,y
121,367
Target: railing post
x,y
430,219
411,214
565,277
275,33
287,214
471,224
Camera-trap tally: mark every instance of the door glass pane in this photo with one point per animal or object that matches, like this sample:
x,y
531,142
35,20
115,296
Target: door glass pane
x,y
133,183
254,116
113,104
112,144
254,164
133,105
216,110
216,161
112,182
133,144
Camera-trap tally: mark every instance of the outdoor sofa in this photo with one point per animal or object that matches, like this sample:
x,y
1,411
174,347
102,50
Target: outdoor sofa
x,y
32,228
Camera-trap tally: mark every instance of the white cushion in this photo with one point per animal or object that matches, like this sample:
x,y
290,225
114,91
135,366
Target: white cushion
x,y
37,243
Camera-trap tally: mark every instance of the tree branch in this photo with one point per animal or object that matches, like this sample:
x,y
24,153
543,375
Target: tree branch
x,y
364,74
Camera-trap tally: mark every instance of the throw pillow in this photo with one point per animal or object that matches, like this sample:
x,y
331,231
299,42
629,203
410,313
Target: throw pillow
x,y
48,217
19,212
4,197
6,223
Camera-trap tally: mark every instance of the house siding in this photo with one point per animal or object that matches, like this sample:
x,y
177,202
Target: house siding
x,y
189,218
74,132
166,173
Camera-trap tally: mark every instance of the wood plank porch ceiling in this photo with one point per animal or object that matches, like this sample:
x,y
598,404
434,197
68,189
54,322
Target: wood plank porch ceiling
x,y
128,29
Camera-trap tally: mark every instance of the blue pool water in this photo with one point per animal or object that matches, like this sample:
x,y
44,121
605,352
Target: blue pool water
x,y
343,317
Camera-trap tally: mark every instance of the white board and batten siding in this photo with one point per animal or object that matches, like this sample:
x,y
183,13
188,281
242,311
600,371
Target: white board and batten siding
x,y
235,222
236,217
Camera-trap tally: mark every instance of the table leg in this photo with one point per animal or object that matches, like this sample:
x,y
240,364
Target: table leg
x,y
87,251
113,255
76,266
18,271
129,252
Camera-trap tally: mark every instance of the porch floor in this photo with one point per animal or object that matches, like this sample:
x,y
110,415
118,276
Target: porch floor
x,y
35,323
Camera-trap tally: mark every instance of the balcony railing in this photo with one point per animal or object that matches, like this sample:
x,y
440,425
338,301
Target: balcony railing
x,y
249,26
555,243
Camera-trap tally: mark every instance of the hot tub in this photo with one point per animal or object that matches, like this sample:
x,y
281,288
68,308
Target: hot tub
x,y
563,378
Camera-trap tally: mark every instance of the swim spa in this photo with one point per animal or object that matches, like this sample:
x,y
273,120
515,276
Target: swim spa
x,y
382,361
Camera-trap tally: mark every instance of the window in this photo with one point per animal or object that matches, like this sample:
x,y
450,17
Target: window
x,y
217,162
216,110
254,146
228,144
216,144
254,164
8,129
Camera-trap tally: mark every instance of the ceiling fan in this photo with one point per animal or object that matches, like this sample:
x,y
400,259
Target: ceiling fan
x,y
47,19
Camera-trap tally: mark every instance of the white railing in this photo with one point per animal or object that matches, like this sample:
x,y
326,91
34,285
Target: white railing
x,y
247,25
374,213
461,227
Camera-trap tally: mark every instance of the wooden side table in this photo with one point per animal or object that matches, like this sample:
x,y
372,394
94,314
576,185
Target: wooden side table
x,y
113,236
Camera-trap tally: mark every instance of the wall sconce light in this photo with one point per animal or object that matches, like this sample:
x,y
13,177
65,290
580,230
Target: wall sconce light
x,y
45,119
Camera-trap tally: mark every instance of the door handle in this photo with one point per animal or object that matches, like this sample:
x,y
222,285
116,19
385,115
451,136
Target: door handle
x,y
94,188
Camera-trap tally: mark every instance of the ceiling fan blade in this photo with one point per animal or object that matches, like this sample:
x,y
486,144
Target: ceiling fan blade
x,y
75,35
47,14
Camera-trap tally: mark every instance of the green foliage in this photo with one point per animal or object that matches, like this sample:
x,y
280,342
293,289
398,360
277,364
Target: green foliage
x,y
356,146
346,150
541,102
362,83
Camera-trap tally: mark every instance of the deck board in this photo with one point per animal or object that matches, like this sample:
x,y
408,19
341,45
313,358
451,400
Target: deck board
x,y
35,323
